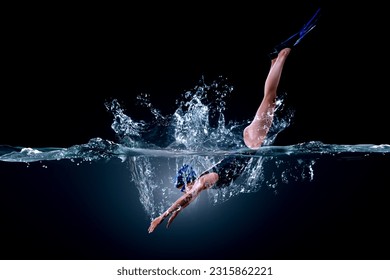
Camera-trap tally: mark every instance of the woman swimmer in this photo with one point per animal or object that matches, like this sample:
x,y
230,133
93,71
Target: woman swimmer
x,y
254,135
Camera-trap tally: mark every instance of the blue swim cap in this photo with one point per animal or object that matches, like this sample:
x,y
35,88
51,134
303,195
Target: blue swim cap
x,y
185,175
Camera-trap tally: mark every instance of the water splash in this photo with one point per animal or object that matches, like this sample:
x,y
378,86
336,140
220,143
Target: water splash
x,y
199,121
198,133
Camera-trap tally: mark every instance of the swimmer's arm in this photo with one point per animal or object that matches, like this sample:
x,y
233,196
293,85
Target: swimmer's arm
x,y
180,204
176,207
204,182
173,217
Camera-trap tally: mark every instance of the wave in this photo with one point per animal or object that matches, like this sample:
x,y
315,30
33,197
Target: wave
x,y
100,149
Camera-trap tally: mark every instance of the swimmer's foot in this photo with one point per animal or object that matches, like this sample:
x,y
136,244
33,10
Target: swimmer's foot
x,y
289,43
297,37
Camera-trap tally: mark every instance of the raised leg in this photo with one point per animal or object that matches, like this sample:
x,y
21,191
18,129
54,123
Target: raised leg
x,y
256,132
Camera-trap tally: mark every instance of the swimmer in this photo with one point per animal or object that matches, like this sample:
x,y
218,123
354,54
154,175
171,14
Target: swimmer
x,y
228,169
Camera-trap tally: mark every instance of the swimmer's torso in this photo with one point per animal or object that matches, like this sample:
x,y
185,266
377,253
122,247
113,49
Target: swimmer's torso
x,y
230,168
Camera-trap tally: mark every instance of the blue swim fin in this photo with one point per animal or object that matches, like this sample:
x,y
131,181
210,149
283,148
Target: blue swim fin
x,y
297,37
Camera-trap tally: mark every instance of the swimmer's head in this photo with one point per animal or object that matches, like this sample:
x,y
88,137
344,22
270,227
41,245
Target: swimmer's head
x,y
185,175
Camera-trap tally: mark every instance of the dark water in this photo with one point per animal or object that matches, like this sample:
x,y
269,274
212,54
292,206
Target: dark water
x,y
64,210
95,200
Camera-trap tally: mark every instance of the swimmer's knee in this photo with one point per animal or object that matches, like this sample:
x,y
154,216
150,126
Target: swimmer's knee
x,y
252,139
245,135
249,138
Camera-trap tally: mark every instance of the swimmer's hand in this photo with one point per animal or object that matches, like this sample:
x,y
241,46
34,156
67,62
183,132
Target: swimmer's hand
x,y
155,223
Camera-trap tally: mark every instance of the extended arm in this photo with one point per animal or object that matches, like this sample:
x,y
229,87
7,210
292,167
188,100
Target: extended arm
x,y
176,207
201,184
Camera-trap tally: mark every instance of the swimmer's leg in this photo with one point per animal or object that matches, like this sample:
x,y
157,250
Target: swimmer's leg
x,y
297,37
256,132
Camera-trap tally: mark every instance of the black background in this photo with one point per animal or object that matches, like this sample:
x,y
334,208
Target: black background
x,y
61,63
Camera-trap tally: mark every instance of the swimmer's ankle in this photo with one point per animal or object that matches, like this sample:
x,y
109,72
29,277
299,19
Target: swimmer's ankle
x,y
289,43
